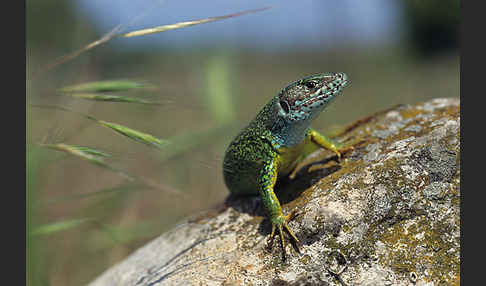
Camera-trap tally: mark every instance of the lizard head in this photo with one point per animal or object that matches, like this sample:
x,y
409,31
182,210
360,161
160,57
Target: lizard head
x,y
304,99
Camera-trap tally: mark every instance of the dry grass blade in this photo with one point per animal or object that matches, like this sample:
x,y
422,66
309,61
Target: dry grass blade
x,y
133,134
90,151
89,154
51,228
113,34
136,135
106,86
179,25
110,98
108,36
93,91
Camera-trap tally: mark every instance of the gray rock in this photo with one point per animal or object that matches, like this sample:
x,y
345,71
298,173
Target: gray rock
x,y
387,214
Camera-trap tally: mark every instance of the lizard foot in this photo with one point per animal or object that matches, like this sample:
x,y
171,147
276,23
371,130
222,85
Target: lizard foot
x,y
280,223
342,149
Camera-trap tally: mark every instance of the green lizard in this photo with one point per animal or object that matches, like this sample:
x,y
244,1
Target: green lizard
x,y
279,138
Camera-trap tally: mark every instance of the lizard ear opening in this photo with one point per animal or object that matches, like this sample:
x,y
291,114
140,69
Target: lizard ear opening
x,y
285,106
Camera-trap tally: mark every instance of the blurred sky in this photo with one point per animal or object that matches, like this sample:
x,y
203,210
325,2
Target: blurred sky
x,y
303,23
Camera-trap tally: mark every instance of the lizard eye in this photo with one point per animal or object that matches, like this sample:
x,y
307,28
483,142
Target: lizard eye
x,y
285,106
310,84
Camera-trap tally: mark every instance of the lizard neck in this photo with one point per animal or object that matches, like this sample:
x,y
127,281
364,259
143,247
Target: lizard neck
x,y
287,135
283,133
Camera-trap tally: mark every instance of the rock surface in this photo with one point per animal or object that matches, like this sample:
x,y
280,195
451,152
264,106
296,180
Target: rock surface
x,y
387,214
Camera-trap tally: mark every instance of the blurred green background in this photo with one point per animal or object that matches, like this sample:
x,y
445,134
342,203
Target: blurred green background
x,y
210,81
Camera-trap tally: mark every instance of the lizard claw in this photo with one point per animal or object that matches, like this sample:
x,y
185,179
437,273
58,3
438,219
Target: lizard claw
x,y
338,155
280,223
344,149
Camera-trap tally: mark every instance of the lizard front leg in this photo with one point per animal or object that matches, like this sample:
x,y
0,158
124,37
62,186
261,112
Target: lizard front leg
x,y
268,178
325,142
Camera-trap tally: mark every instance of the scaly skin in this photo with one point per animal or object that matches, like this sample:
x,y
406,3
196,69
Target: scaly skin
x,y
280,136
